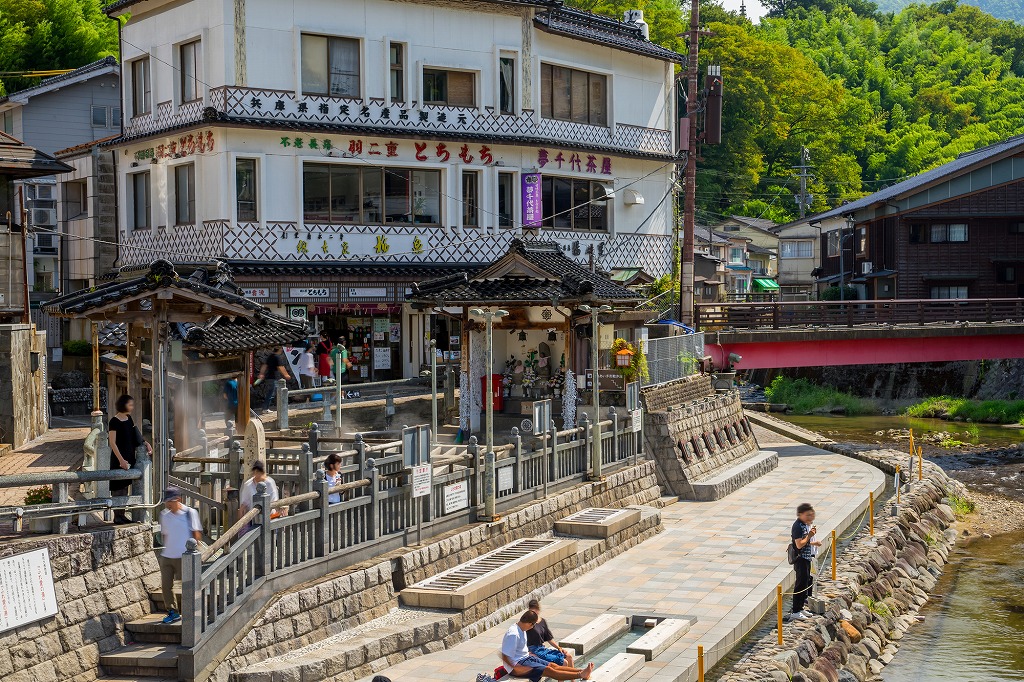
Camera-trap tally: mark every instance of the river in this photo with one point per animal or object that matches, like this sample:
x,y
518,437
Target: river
x,y
974,626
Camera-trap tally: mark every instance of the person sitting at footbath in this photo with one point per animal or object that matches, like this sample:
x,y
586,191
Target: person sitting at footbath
x,y
542,643
519,662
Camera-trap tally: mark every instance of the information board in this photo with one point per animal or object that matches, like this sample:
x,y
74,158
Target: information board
x,y
456,497
638,420
421,480
26,589
382,357
608,380
505,479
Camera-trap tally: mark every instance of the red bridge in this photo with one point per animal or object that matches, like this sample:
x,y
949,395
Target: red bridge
x,y
822,333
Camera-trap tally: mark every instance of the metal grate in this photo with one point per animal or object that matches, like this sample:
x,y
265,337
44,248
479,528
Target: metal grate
x,y
592,515
483,566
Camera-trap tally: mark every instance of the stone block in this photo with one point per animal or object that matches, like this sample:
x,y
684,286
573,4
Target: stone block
x,y
595,633
660,638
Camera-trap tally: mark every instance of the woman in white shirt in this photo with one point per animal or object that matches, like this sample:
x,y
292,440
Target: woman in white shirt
x,y
307,367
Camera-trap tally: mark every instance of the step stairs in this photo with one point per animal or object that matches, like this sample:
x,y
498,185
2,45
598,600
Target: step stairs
x,y
142,660
150,629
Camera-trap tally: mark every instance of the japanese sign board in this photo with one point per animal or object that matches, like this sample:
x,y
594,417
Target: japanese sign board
x,y
456,497
506,481
309,292
256,292
26,589
638,420
382,357
367,292
533,200
608,380
421,480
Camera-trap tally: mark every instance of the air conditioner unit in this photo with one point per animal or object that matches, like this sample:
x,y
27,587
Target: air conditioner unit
x,y
866,267
46,243
44,191
44,217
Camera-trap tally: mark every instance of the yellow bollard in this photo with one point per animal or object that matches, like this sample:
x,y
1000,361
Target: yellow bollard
x,y
778,600
834,549
899,483
871,513
700,663
911,442
920,464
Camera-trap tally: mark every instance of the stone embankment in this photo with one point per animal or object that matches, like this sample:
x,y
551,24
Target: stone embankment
x,y
882,582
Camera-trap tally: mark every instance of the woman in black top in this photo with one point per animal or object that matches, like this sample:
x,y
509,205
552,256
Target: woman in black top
x,y
123,437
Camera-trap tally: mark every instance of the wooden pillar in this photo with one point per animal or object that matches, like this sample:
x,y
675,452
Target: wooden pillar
x,y
244,393
134,363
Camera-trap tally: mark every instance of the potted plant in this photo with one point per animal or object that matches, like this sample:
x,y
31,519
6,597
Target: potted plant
x,y
636,369
41,495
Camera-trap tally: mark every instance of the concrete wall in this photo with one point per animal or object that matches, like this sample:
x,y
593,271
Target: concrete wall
x,y
22,392
99,582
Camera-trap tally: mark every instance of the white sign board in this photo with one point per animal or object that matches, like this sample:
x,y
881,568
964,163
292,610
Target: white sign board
x,y
256,292
541,416
505,480
26,589
638,420
456,497
309,292
367,292
382,357
421,480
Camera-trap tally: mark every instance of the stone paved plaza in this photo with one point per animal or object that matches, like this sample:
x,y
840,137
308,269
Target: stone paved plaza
x,y
56,450
716,562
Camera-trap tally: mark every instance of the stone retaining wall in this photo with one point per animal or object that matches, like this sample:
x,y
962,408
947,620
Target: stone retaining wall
x,y
882,583
99,582
696,434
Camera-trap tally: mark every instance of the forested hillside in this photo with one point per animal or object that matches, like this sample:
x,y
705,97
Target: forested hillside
x,y
1001,9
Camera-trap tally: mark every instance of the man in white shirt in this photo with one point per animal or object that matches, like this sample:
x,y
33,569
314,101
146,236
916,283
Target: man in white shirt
x,y
177,524
248,490
307,367
518,660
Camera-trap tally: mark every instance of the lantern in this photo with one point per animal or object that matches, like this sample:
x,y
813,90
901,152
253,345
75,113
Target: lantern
x,y
624,358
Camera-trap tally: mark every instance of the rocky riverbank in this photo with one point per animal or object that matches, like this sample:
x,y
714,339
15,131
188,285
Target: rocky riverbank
x,y
882,582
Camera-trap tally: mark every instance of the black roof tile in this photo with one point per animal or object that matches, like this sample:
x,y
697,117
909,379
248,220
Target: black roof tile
x,y
594,28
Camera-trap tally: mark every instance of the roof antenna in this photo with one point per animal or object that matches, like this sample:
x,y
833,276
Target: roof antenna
x,y
743,8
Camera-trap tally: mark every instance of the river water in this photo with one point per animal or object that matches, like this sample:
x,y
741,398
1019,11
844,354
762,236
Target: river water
x,y
974,626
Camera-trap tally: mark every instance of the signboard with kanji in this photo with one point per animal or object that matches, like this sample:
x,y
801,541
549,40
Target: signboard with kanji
x,y
456,497
533,200
26,589
421,480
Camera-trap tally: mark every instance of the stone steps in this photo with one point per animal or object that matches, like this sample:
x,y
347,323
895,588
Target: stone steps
x,y
150,629
142,660
619,668
735,477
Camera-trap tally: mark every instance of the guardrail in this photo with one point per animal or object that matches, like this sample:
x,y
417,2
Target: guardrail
x,y
329,396
377,512
781,314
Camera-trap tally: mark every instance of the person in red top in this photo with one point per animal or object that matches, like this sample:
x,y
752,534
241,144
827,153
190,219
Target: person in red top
x,y
323,355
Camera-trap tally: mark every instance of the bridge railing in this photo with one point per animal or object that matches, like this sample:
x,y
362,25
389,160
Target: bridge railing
x,y
781,314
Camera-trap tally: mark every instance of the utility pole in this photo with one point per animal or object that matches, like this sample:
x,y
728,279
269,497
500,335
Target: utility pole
x,y
690,174
803,199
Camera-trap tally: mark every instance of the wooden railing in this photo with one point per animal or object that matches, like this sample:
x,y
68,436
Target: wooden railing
x,y
781,314
377,510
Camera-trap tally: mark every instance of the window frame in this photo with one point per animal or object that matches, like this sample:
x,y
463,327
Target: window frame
x,y
96,108
1016,228
796,244
142,64
740,249
1006,273
358,43
190,169
133,194
396,70
7,121
949,289
435,71
383,197
551,208
471,206
510,222
862,241
255,190
82,187
946,231
510,109
549,99
833,240
196,47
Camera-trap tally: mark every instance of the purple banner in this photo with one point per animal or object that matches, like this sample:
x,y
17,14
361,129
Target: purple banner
x,y
533,200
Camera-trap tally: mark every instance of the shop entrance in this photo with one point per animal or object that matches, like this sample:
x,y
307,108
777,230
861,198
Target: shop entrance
x,y
373,338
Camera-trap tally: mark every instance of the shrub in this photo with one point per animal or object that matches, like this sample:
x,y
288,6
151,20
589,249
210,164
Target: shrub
x,y
41,495
78,347
832,294
961,506
803,397
964,409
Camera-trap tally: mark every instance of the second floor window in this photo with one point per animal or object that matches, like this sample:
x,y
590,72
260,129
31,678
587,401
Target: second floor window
x,y
330,66
956,232
7,122
245,189
736,255
833,243
506,199
396,57
75,200
507,85
189,57
141,95
139,193
572,95
574,204
470,199
185,194
449,88
803,249
336,193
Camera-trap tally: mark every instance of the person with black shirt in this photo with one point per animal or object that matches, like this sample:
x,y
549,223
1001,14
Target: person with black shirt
x,y
124,437
803,533
272,367
542,643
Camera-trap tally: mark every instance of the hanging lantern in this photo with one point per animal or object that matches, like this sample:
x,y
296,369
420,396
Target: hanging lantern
x,y
522,336
624,358
552,336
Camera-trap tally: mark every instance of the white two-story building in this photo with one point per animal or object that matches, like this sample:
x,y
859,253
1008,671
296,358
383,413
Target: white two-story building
x,y
334,153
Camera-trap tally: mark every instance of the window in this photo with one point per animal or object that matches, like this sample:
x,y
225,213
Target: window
x,y
330,66
507,85
506,199
736,255
574,204
732,228
801,249
956,232
190,58
7,122
1015,228
862,240
99,116
115,117
140,201
75,198
949,292
336,193
245,189
917,233
470,199
397,60
833,243
451,88
571,95
141,103
185,194
1006,274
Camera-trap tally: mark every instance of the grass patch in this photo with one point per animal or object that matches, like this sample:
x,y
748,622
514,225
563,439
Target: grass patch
x,y
875,607
803,397
965,409
951,443
961,506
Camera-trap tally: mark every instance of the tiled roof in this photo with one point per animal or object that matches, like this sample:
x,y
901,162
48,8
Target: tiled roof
x,y
410,271
754,248
119,5
594,28
706,234
81,148
758,223
957,166
224,336
19,160
48,84
529,272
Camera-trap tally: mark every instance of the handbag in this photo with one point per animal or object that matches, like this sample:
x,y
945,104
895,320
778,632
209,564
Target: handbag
x,y
791,553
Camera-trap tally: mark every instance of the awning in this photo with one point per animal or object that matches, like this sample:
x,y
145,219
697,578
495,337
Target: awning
x,y
766,284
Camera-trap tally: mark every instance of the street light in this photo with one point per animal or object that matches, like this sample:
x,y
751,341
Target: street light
x,y
489,491
595,458
850,223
